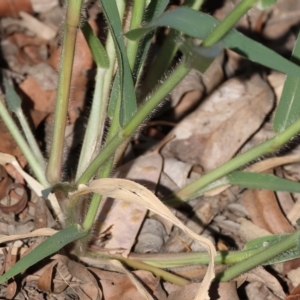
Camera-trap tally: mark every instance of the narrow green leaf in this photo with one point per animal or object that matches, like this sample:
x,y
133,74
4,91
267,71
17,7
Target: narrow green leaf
x,y
282,257
114,97
12,98
288,110
269,240
265,241
98,51
14,104
46,248
154,10
263,181
128,104
199,25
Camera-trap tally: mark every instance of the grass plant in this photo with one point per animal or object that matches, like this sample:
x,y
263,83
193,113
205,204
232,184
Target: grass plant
x,y
115,98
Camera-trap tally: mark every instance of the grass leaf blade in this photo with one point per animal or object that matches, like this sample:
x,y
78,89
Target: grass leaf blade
x,y
288,109
263,181
46,248
98,51
199,25
154,9
129,104
12,98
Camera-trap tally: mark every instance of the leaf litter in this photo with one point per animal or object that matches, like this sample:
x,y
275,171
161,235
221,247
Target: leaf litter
x,y
216,116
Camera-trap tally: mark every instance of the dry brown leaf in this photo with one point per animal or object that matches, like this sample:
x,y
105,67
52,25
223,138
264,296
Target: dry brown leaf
x,y
224,291
11,290
8,145
86,291
14,202
283,16
214,133
45,281
39,100
159,292
90,284
265,212
136,193
13,7
277,26
23,51
185,293
115,284
261,275
190,91
54,277
40,214
249,231
65,275
133,280
289,265
295,294
258,291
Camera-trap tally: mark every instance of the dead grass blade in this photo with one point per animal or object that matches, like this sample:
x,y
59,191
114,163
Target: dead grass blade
x,y
35,233
133,192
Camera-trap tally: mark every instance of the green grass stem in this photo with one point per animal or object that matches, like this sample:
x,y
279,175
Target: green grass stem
x,y
135,122
53,171
95,135
32,160
258,259
104,172
230,20
31,139
191,190
136,20
165,55
95,124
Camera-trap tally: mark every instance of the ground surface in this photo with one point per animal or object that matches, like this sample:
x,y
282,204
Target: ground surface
x,y
207,120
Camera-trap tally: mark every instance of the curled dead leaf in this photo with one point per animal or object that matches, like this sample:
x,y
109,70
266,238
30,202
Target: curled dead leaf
x,y
22,199
45,282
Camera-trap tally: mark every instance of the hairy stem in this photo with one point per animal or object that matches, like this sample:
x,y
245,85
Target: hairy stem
x,y
53,172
